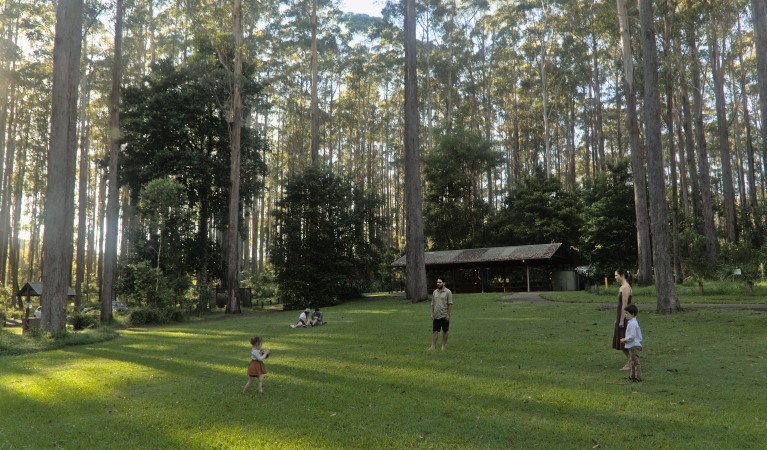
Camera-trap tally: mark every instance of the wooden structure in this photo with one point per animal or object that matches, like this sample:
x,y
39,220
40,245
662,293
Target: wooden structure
x,y
31,289
28,291
496,269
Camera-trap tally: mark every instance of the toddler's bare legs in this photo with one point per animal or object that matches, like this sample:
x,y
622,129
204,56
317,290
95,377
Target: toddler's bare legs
x,y
247,385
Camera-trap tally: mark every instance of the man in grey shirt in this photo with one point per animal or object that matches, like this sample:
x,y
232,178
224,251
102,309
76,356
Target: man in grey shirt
x,y
441,308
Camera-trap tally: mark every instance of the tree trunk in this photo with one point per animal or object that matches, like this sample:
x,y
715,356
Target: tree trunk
x,y
675,245
618,121
683,178
597,82
427,79
315,126
728,188
62,157
202,242
33,239
113,191
752,197
644,256
101,221
545,98
759,17
18,197
5,198
571,173
7,103
232,253
668,302
697,208
416,260
82,190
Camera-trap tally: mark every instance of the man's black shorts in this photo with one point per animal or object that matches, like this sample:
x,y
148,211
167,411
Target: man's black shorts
x,y
440,324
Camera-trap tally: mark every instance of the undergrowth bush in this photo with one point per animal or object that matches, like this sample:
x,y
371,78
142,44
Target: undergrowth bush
x,y
176,314
146,316
156,316
82,320
262,285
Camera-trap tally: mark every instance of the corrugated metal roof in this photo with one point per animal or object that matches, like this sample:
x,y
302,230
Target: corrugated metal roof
x,y
486,255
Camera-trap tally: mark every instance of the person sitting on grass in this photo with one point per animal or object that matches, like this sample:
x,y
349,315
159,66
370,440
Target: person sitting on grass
x,y
316,318
303,319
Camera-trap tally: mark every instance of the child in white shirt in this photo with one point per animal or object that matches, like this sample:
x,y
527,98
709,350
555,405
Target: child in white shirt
x,y
633,342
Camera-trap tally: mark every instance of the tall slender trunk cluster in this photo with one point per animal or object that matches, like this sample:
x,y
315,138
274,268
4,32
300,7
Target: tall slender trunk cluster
x,y
759,16
704,167
668,301
731,229
644,247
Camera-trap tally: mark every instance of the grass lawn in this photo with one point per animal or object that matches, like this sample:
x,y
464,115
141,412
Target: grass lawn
x,y
718,292
514,376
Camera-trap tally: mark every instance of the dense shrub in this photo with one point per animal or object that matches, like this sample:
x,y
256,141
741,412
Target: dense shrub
x,y
146,316
176,314
156,316
82,320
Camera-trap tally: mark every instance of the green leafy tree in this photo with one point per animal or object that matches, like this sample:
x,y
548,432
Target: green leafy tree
x,y
454,209
176,125
538,211
328,245
608,233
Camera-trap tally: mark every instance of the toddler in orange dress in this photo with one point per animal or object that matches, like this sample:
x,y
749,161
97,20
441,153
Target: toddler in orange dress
x,y
256,368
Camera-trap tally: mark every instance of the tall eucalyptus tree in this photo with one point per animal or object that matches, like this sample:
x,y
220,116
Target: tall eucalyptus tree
x,y
59,198
416,260
314,108
113,193
759,22
668,302
233,238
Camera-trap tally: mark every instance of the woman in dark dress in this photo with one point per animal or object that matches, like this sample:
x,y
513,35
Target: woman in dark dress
x,y
624,299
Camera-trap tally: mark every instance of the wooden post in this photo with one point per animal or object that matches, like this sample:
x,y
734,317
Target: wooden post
x,y
527,275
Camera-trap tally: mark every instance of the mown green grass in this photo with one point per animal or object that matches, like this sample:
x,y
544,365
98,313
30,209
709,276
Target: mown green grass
x,y
13,342
714,292
514,376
